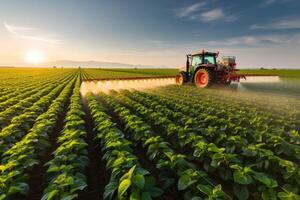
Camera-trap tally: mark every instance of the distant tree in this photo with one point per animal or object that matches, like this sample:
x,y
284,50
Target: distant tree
x,y
54,66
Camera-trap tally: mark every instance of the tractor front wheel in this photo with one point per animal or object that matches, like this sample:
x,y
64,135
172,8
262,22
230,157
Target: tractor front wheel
x,y
203,78
180,78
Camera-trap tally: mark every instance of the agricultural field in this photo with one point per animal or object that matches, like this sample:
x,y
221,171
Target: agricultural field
x,y
173,142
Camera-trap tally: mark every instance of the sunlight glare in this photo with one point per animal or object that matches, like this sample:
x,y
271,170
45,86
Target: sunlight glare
x,y
34,56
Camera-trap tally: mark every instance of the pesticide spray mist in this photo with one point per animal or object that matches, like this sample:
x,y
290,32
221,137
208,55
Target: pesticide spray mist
x,y
256,79
105,86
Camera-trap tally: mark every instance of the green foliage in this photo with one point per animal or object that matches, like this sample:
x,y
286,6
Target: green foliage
x,y
18,160
128,179
70,158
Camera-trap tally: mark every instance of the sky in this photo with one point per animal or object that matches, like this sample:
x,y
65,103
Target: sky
x,y
260,33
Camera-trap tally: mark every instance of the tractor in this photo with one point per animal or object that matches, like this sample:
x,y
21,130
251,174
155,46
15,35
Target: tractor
x,y
203,70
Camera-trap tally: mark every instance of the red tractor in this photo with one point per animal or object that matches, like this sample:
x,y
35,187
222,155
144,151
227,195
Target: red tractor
x,y
203,70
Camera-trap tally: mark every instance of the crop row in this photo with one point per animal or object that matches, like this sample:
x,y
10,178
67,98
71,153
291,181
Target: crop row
x,y
242,148
279,108
20,94
25,105
127,178
19,160
246,132
175,170
15,81
229,166
66,170
257,128
20,124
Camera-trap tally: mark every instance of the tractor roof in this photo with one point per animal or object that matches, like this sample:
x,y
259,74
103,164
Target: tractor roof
x,y
205,53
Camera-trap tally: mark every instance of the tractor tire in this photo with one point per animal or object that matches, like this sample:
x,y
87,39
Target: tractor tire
x,y
227,83
203,78
180,78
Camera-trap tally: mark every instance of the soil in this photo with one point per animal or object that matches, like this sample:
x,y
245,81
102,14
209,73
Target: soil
x,y
37,175
95,172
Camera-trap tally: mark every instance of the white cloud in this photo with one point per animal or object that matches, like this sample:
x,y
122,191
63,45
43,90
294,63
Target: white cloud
x,y
202,12
263,40
281,24
270,2
212,15
29,33
267,2
189,10
216,14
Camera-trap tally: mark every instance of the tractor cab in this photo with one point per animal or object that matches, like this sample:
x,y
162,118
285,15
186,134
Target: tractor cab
x,y
203,59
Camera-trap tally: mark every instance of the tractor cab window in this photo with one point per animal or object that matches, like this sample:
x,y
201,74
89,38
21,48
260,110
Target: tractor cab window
x,y
209,60
196,60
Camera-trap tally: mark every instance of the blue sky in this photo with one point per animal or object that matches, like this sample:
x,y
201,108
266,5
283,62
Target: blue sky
x,y
156,32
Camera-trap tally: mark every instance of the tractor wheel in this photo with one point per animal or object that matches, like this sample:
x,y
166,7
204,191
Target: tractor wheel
x,y
227,83
180,78
203,78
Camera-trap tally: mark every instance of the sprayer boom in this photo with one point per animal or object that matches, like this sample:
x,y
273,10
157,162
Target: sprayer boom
x,y
129,78
260,78
96,85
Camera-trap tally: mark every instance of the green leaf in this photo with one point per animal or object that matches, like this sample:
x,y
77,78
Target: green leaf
x,y
53,169
155,191
50,195
269,195
196,198
288,196
110,189
3,196
128,175
124,185
118,162
146,196
13,190
69,197
139,181
241,192
21,188
79,184
206,189
183,182
135,194
262,177
241,178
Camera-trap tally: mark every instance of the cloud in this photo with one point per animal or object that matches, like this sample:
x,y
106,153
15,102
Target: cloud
x,y
277,25
270,2
217,14
212,15
202,12
29,33
188,10
267,2
156,42
259,40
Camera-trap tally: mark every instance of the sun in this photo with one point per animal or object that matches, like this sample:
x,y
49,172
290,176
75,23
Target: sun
x,y
34,56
